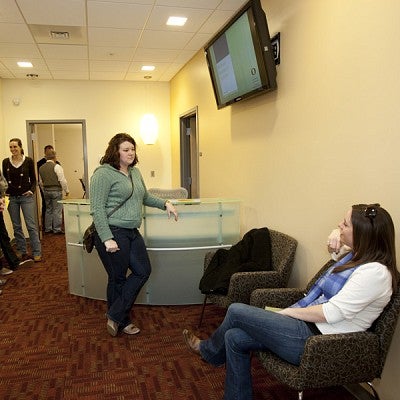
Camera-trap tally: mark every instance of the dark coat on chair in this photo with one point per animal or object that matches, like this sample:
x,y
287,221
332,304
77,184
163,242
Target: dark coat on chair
x,y
252,253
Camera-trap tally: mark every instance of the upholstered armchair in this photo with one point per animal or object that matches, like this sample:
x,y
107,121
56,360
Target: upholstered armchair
x,y
335,359
178,193
242,284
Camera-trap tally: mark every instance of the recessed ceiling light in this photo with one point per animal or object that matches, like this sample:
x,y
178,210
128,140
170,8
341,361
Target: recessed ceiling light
x,y
177,21
24,64
148,68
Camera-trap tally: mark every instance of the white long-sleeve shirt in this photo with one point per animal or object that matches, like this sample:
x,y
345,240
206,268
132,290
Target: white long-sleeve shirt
x,y
361,300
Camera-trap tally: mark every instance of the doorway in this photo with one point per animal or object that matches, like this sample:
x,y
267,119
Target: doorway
x,y
189,153
68,137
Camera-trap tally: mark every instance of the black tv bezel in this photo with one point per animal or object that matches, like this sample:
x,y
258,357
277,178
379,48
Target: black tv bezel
x,y
263,49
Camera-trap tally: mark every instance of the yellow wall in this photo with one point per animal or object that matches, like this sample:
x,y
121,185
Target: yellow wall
x,y
328,138
107,107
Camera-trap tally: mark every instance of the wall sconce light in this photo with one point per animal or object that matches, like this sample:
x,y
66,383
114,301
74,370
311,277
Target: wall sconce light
x,y
149,128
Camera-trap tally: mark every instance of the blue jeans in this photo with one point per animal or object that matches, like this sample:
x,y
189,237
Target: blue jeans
x,y
53,213
246,329
122,290
27,205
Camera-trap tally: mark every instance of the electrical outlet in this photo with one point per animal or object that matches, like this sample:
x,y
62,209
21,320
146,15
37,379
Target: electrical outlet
x,y
152,174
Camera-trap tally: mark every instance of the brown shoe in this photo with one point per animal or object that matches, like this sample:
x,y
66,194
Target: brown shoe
x,y
192,341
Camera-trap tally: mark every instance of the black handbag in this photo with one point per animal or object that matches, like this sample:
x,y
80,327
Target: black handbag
x,y
88,235
88,238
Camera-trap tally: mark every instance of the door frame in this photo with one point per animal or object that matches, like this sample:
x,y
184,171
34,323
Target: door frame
x,y
189,152
36,156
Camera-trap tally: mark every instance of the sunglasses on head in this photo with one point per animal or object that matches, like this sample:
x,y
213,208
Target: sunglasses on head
x,y
369,210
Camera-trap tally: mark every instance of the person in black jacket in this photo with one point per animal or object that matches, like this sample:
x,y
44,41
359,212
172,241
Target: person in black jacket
x,y
8,252
19,172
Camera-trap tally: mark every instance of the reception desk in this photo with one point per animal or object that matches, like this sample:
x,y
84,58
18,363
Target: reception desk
x,y
176,249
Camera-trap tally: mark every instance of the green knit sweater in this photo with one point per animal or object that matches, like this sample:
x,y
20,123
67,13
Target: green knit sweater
x,y
109,188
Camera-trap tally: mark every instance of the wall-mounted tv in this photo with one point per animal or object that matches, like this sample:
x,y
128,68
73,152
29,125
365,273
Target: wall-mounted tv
x,y
240,57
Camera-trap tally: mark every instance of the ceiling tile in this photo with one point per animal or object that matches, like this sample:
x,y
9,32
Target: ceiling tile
x,y
15,33
113,37
111,53
164,40
63,51
54,12
117,15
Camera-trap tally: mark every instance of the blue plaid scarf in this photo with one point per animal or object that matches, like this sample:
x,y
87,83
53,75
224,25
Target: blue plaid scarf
x,y
327,285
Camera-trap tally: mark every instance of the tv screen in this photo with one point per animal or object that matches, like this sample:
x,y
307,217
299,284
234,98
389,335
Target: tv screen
x,y
240,57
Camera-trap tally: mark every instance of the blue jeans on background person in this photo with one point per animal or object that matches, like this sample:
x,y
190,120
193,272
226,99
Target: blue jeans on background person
x,y
53,213
123,290
26,204
246,329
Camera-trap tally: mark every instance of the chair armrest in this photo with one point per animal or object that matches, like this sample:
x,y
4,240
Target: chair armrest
x,y
242,284
277,297
341,358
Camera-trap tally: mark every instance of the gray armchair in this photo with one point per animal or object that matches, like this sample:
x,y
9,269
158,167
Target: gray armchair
x,y
335,359
242,284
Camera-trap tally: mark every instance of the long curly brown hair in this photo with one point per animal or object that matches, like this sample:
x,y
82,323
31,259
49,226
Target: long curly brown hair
x,y
111,155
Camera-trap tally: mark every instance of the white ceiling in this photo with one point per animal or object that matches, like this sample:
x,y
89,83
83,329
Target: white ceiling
x,y
109,40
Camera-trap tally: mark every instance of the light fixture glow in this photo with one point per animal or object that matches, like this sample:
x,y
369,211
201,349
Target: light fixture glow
x,y
149,128
148,68
24,64
176,21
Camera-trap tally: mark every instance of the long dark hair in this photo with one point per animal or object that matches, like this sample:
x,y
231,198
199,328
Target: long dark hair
x,y
19,142
111,155
373,238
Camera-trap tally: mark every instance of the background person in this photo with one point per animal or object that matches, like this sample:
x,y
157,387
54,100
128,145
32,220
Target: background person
x,y
8,252
53,183
42,161
19,171
347,298
118,240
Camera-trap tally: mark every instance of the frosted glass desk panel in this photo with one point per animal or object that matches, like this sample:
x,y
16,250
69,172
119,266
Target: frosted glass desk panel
x,y
175,277
205,224
86,274
176,249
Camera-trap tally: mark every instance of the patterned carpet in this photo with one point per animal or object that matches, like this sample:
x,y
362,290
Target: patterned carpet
x,y
54,345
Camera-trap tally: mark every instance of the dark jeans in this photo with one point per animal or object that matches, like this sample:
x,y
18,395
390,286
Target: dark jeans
x,y
122,290
9,253
246,329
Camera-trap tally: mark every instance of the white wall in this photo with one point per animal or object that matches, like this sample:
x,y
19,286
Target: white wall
x,y
107,107
326,139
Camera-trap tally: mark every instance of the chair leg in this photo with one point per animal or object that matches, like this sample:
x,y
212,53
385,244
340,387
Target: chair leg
x,y
376,396
202,310
300,395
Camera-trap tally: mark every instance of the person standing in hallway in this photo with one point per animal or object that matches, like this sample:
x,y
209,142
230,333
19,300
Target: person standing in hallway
x,y
42,161
117,196
8,252
53,183
19,172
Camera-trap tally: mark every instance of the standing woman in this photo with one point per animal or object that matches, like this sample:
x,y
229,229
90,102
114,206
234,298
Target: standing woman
x,y
19,171
117,196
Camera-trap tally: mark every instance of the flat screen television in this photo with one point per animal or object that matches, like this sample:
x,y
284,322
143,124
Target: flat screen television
x,y
240,57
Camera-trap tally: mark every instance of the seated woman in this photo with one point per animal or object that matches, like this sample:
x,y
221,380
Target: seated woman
x,y
347,298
